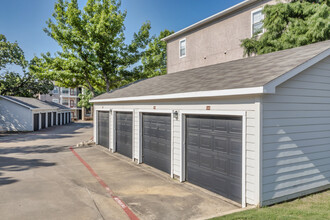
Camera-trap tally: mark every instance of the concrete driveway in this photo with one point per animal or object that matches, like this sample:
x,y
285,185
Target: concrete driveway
x,y
40,178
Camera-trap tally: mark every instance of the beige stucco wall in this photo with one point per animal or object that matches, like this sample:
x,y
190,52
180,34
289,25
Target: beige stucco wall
x,y
215,42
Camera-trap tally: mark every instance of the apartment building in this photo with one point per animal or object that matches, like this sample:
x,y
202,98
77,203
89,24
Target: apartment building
x,y
68,97
216,39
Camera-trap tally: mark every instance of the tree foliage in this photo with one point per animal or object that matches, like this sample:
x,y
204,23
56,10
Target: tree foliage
x,y
15,84
154,59
289,25
10,53
26,85
94,53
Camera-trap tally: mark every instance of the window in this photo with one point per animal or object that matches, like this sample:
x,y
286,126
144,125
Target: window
x,y
55,90
55,100
71,103
72,92
65,91
65,102
182,48
256,21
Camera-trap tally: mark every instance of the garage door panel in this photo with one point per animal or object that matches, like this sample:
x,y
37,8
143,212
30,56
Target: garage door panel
x,y
124,132
220,165
206,124
103,128
235,146
156,140
221,144
220,125
206,141
213,154
205,160
192,139
235,168
235,126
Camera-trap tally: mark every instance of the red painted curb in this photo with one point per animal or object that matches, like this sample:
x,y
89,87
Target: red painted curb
x,y
129,212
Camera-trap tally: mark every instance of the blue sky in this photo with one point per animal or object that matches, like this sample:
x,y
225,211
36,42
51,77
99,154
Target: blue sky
x,y
23,20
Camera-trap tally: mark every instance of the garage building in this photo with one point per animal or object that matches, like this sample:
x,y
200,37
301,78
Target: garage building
x,y
254,130
30,114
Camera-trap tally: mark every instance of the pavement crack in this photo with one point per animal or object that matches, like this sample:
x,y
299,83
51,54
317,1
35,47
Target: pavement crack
x,y
96,206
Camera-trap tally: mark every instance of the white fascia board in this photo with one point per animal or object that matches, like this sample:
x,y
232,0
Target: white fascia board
x,y
200,94
271,86
44,109
4,97
211,18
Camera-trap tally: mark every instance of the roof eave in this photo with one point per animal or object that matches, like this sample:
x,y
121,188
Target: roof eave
x,y
209,19
198,94
18,103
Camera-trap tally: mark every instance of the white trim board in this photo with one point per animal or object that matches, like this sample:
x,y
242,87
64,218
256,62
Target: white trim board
x,y
270,86
182,115
200,94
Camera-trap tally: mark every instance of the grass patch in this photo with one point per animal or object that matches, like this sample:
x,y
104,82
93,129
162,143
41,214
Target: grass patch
x,y
315,206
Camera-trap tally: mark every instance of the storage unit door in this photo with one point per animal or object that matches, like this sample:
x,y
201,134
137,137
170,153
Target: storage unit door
x,y
35,122
59,119
103,128
54,118
124,132
43,120
156,141
214,154
62,118
49,119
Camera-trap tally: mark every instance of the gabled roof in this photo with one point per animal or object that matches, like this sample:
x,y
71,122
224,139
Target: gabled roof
x,y
211,18
57,105
254,75
32,103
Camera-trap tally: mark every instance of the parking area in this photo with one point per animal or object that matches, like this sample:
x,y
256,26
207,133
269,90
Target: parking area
x,y
41,178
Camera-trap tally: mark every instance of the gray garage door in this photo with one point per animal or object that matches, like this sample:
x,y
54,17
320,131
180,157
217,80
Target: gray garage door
x,y
214,154
49,119
35,122
43,120
156,141
103,128
54,118
124,130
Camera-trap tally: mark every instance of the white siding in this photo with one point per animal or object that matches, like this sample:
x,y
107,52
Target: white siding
x,y
14,117
296,135
247,104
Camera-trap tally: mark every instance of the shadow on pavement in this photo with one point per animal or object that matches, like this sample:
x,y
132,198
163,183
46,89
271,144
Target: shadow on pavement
x,y
34,149
13,164
60,132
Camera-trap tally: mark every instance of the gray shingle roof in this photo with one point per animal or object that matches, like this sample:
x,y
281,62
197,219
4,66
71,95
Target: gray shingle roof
x,y
57,105
30,102
35,103
244,73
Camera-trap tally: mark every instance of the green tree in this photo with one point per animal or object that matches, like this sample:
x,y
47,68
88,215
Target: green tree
x,y
16,84
10,53
26,85
94,53
289,25
154,59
